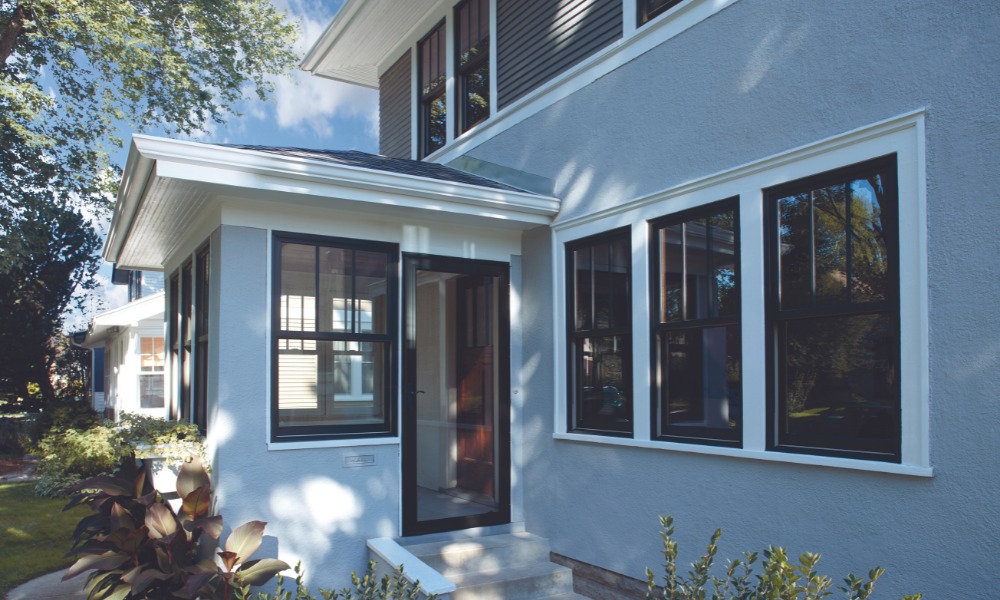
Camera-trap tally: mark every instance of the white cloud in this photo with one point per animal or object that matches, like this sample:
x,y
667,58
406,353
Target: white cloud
x,y
304,102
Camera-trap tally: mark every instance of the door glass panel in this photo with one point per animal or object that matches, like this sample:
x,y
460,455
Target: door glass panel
x,y
457,395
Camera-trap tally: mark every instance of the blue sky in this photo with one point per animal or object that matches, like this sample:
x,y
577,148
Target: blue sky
x,y
304,111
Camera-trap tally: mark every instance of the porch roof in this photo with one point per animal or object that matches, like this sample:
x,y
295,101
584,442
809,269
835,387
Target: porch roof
x,y
362,37
168,183
128,315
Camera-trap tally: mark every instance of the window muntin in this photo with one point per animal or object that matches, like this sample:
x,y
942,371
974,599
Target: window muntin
x,y
650,9
472,62
697,362
433,118
151,359
599,272
834,313
334,337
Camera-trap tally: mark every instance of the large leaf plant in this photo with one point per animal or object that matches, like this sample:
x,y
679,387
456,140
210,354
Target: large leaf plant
x,y
137,547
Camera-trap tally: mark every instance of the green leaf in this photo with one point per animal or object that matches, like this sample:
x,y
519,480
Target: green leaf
x,y
160,521
109,485
259,572
121,518
198,502
191,477
101,562
245,539
212,526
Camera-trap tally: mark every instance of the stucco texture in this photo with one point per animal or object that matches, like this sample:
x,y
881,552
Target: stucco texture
x,y
761,77
319,511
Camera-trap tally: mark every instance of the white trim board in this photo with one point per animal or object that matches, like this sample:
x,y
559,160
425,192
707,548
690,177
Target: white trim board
x,y
902,135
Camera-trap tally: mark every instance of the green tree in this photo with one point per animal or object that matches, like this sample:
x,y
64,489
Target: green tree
x,y
73,74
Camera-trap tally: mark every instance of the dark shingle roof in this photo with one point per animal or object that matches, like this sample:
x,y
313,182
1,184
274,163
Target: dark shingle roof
x,y
377,162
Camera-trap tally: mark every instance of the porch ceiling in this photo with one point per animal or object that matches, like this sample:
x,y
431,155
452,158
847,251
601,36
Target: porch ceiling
x,y
170,185
362,37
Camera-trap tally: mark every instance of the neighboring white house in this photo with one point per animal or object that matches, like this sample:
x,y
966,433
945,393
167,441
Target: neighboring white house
x,y
130,339
732,260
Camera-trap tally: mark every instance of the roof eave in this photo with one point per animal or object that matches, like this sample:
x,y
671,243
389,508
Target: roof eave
x,y
219,168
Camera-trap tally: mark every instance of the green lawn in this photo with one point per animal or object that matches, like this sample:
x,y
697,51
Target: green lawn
x,y
34,535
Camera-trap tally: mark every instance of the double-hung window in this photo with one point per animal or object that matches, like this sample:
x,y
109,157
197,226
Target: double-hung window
x,y
151,355
697,375
833,313
334,312
433,101
472,62
600,333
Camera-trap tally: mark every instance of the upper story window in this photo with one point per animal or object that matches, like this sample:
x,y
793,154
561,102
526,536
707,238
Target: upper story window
x,y
696,325
649,9
334,314
599,307
472,62
433,118
834,313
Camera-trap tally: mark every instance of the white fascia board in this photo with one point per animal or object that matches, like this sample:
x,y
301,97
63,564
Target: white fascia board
x,y
319,51
129,315
237,167
135,180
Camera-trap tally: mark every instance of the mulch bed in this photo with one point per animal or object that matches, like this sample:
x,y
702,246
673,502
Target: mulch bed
x,y
12,466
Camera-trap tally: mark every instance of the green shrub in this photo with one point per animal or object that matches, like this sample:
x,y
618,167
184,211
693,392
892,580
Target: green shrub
x,y
14,435
781,579
66,414
66,457
174,441
368,587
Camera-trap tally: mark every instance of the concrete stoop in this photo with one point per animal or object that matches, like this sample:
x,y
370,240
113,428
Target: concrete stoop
x,y
506,566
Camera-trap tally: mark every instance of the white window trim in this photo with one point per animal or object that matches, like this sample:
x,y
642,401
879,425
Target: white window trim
x,y
902,135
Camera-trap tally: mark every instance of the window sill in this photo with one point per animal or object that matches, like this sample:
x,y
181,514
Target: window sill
x,y
799,459
345,443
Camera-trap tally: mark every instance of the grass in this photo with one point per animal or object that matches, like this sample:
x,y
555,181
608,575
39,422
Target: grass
x,y
35,534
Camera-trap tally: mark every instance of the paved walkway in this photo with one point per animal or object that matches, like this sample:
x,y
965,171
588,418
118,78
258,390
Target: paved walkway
x,y
50,587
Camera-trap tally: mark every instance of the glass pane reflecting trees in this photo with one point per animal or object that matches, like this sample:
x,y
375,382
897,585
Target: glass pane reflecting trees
x,y
600,336
835,309
697,364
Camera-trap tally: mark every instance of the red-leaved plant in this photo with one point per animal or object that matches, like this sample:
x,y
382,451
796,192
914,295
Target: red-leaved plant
x,y
137,547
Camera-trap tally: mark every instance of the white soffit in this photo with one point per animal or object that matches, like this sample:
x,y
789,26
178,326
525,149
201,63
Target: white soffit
x,y
169,184
362,36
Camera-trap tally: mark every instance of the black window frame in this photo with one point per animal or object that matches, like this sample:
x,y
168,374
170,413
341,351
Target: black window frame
x,y
390,340
890,451
173,327
437,43
647,10
574,393
464,71
202,273
186,341
688,433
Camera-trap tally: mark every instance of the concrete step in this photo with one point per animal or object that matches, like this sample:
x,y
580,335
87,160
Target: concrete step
x,y
525,582
487,555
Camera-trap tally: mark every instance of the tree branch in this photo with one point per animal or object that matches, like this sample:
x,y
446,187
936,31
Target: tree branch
x,y
11,32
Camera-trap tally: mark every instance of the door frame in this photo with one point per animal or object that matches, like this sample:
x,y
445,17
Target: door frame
x,y
408,421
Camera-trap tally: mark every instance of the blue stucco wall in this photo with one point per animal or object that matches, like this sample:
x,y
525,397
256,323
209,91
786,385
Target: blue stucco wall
x,y
318,510
761,77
